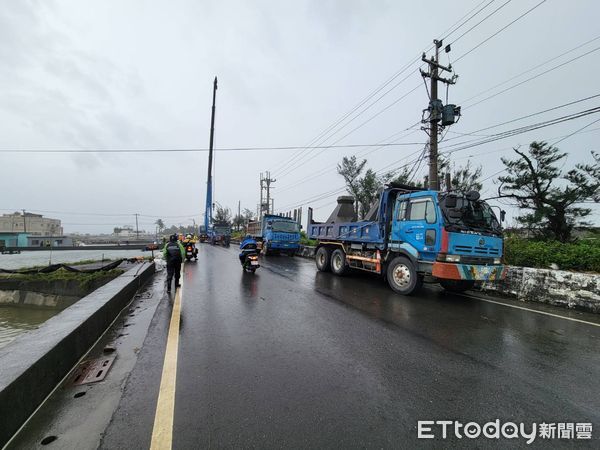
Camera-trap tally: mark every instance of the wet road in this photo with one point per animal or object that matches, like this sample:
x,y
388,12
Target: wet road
x,y
289,357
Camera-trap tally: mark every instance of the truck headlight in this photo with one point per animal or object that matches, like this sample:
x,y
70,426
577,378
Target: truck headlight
x,y
453,258
497,260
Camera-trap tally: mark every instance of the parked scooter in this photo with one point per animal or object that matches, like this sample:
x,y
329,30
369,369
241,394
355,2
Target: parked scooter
x,y
249,255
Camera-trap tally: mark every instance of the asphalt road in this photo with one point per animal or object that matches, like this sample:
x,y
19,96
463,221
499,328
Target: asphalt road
x,y
290,357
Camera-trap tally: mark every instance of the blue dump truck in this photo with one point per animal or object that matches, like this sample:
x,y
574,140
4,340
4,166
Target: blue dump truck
x,y
278,234
414,235
219,233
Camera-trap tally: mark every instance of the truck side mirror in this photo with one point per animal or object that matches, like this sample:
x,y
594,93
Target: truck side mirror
x,y
502,215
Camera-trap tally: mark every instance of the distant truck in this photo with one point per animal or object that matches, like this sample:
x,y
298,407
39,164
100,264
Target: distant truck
x,y
202,234
414,235
220,233
277,234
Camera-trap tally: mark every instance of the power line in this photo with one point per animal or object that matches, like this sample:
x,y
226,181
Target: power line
x,y
531,78
195,150
564,105
500,30
530,69
458,25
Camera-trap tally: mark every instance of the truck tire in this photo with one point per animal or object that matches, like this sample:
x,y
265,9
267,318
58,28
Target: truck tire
x,y
457,285
402,276
323,259
338,262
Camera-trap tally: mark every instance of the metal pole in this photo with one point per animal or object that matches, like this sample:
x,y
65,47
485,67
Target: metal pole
x,y
137,230
208,209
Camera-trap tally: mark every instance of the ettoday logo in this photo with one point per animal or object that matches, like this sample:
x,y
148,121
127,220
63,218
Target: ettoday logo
x,y
430,429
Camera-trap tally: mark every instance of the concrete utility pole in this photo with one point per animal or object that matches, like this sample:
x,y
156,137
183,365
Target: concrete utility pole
x,y
137,230
437,111
24,223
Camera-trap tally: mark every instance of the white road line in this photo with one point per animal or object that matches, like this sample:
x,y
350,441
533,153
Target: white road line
x,y
531,310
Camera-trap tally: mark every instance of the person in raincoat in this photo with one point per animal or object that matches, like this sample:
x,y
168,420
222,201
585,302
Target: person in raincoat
x,y
173,254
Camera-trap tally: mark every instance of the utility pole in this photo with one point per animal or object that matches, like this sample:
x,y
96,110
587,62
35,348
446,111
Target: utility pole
x,y
137,230
448,114
239,214
24,223
266,202
208,209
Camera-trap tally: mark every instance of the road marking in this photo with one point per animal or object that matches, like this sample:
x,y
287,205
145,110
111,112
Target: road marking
x,y
532,310
162,433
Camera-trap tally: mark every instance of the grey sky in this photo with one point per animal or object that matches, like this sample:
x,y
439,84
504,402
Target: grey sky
x,y
138,74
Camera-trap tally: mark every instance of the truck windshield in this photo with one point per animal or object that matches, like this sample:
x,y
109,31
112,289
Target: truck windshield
x,y
286,227
471,216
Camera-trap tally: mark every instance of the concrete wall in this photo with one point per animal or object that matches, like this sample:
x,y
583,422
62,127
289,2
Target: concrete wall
x,y
555,287
33,364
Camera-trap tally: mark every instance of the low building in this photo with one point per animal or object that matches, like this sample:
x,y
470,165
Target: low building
x,y
50,241
33,224
13,239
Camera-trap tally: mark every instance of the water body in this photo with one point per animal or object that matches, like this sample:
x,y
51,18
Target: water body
x,y
15,321
41,258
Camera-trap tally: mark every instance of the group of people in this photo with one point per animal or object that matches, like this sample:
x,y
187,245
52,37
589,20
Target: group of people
x,y
174,253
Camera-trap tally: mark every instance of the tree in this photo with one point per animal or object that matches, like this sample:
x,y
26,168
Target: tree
x,y
350,170
239,221
536,184
222,215
248,214
464,178
160,224
368,189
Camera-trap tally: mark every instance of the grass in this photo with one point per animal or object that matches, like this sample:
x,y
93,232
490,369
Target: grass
x,y
85,279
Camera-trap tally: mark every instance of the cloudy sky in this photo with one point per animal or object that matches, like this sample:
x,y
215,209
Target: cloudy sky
x,y
133,74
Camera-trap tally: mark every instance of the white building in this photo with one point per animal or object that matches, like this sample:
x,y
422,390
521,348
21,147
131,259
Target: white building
x,y
32,224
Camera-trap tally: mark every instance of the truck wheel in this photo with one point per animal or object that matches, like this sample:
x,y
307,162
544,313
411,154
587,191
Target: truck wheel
x,y
323,259
402,276
457,285
338,262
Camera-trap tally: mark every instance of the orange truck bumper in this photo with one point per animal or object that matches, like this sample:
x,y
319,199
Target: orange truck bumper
x,y
455,271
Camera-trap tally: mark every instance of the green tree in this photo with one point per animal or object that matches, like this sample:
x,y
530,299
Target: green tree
x,y
160,224
248,215
222,215
537,185
239,221
464,178
350,169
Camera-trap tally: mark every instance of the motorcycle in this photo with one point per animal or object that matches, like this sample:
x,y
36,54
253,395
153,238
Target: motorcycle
x,y
250,263
191,252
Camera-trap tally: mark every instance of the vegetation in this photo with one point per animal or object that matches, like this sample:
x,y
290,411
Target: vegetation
x,y
551,200
583,255
305,240
85,279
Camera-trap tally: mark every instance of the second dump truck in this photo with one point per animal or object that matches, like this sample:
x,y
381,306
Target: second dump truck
x,y
278,234
414,235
